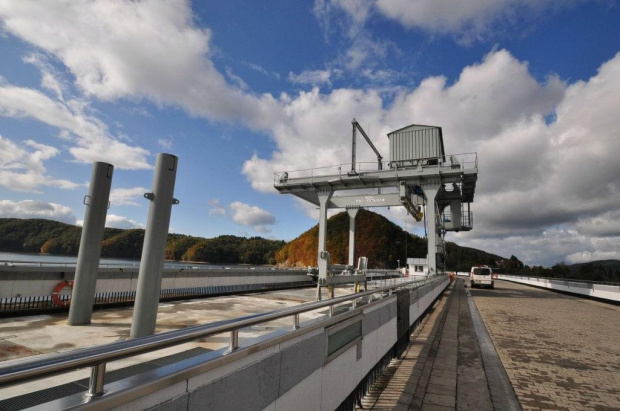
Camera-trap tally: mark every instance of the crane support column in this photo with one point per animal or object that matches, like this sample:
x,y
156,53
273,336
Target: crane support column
x,y
323,257
430,193
352,214
154,249
87,269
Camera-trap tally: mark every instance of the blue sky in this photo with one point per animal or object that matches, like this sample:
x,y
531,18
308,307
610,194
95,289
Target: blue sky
x,y
238,90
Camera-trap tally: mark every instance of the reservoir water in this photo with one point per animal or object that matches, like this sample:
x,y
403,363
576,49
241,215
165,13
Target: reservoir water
x,y
46,259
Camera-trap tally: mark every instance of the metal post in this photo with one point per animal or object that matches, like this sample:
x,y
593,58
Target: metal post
x,y
153,251
296,322
353,148
87,269
234,340
352,214
95,384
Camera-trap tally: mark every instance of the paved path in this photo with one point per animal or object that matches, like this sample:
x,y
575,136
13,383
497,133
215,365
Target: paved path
x,y
442,369
560,352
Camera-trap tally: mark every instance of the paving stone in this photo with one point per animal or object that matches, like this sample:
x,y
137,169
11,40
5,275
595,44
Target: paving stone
x,y
556,349
438,399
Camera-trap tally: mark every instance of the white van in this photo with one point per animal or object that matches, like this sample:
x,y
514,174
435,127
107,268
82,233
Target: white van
x,y
481,275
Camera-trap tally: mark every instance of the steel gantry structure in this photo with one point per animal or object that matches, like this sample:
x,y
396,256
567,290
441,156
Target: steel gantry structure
x,y
434,188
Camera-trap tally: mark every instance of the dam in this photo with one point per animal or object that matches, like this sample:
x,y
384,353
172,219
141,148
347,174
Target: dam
x,y
348,340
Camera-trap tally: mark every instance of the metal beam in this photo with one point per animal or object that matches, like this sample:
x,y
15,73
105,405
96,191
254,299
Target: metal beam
x,y
379,157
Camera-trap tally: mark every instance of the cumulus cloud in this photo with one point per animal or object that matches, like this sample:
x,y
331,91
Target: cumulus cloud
x,y
90,135
36,209
547,150
127,196
252,216
468,21
117,221
23,170
103,45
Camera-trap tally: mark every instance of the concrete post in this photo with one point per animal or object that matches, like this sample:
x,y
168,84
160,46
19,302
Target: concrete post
x,y
87,269
431,227
323,258
153,251
352,213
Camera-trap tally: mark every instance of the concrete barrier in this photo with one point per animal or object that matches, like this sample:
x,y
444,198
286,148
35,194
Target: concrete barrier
x,y
32,281
610,292
321,366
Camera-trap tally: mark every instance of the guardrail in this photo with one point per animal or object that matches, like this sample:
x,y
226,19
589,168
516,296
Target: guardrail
x,y
25,305
596,289
97,357
463,161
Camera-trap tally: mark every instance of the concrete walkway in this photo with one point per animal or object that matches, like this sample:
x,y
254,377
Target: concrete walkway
x,y
443,367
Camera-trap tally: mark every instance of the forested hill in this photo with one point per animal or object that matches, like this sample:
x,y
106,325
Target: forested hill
x,y
379,239
52,237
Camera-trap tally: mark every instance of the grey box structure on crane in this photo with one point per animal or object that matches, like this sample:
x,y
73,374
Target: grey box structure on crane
x,y
415,143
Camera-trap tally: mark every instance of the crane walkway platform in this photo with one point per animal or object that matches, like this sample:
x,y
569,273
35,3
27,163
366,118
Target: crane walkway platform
x,y
514,347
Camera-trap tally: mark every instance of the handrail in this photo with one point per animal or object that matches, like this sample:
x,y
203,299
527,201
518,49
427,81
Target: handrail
x,y
35,368
167,266
360,166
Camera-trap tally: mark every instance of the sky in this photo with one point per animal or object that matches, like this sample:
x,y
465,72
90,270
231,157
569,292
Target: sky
x,y
239,90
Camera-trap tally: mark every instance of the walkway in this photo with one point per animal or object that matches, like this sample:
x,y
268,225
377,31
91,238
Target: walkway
x,y
558,352
443,369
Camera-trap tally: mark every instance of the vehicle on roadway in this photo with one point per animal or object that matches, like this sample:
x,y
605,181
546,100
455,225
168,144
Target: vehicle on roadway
x,y
481,276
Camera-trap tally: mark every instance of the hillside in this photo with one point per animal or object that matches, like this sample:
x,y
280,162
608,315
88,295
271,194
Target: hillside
x,y
377,238
52,237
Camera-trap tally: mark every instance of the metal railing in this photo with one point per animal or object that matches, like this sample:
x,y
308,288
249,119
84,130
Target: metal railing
x,y
22,305
135,265
463,161
467,217
97,357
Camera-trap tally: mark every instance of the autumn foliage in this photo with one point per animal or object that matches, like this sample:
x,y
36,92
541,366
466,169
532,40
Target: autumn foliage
x,y
376,237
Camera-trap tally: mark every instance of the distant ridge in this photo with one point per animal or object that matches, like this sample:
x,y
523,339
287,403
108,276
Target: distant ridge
x,y
377,238
606,264
53,237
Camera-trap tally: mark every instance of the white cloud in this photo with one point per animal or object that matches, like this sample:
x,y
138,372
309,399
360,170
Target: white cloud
x,y
117,221
468,21
216,207
91,136
236,79
102,44
127,196
50,79
311,77
165,143
252,216
36,209
23,170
